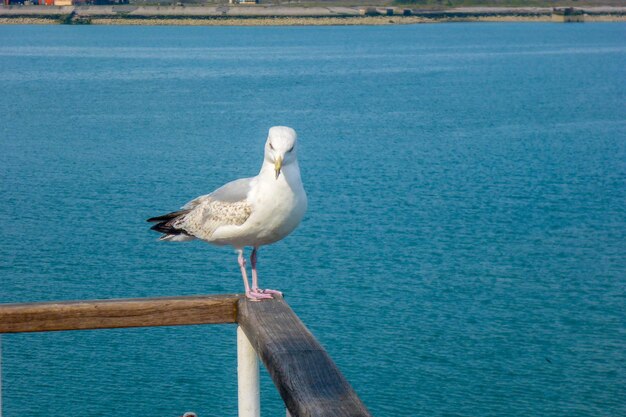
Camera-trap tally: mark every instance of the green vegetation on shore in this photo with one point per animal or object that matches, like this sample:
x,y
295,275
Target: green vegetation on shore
x,y
447,4
422,4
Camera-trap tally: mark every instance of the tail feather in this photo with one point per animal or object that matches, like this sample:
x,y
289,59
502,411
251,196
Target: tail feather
x,y
165,224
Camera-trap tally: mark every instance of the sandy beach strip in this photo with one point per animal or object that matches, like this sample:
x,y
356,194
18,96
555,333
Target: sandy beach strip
x,y
278,16
302,21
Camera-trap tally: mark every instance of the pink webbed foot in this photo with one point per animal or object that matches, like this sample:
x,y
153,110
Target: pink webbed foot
x,y
268,291
256,295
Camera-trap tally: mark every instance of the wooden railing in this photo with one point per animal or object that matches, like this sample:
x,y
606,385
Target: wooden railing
x,y
307,379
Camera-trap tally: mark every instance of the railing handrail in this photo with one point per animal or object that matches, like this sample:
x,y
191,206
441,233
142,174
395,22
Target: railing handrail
x,y
117,313
307,379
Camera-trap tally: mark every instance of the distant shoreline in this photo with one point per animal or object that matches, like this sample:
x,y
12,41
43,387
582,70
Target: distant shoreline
x,y
227,15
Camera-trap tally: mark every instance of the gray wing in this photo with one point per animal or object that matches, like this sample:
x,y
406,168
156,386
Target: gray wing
x,y
231,192
202,216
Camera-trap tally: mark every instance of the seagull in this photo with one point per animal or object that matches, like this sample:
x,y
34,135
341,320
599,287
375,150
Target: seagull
x,y
253,211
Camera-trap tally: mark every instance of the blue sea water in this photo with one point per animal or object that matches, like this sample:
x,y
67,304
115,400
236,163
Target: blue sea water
x,y
464,249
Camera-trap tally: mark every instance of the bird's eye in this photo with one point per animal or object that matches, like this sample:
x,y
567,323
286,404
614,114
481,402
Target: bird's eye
x,y
291,149
271,147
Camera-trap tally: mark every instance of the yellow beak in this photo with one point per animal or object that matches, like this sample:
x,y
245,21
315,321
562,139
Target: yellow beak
x,y
277,165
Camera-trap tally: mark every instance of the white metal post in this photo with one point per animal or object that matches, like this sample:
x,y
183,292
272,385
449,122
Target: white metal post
x,y
0,375
247,377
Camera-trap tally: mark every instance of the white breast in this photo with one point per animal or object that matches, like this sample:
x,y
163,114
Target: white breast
x,y
278,206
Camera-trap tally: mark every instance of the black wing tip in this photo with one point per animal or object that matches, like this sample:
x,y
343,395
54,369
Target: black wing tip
x,y
159,227
168,230
167,217
164,223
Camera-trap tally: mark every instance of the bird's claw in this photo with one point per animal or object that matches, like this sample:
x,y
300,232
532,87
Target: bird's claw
x,y
257,295
273,292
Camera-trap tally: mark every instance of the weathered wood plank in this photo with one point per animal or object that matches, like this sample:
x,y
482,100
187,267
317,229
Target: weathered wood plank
x,y
100,314
308,380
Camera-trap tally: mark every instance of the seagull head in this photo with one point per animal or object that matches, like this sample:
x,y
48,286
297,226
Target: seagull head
x,y
280,148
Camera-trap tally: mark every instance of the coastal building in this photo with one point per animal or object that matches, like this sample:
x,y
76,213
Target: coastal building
x,y
567,14
63,2
29,2
368,11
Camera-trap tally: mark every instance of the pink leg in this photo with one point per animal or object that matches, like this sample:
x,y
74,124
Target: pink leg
x,y
253,294
255,280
